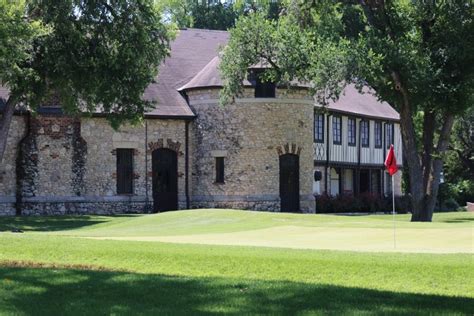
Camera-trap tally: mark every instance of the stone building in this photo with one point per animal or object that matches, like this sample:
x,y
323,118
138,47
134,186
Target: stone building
x,y
264,152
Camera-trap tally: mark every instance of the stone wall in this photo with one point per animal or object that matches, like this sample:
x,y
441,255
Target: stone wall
x,y
8,180
50,161
102,141
250,135
62,165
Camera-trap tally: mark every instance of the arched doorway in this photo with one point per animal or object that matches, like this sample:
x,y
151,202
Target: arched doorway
x,y
290,183
165,180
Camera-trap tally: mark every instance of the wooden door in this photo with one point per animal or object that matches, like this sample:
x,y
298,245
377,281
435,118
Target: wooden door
x,y
165,180
289,183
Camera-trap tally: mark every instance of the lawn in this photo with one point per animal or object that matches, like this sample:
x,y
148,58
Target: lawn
x,y
211,261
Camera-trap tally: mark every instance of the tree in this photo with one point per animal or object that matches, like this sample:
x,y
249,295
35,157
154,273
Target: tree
x,y
86,54
458,167
418,56
214,14
461,165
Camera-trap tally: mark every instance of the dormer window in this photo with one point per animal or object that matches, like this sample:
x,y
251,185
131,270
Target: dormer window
x,y
263,89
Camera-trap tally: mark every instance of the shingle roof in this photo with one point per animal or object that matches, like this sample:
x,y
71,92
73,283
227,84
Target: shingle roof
x,y
192,50
207,77
194,64
365,103
351,100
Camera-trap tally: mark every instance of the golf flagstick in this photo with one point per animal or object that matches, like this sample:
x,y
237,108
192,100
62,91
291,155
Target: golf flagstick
x,y
391,165
393,214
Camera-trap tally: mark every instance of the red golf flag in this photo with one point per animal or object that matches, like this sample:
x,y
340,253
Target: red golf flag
x,y
391,162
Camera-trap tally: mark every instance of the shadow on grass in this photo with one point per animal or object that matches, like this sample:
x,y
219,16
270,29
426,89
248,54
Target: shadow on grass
x,y
60,291
51,223
459,220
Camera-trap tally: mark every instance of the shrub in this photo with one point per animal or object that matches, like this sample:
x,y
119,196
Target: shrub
x,y
365,203
450,205
461,192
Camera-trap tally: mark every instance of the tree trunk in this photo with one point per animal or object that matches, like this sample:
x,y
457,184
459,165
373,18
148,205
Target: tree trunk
x,y
428,138
5,122
410,151
436,168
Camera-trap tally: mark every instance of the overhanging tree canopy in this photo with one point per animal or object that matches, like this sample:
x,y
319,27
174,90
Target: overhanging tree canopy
x,y
85,54
418,55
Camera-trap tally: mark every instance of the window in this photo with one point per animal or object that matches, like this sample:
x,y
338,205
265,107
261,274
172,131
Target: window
x,y
124,171
319,128
336,130
389,134
351,132
364,133
263,89
378,135
219,169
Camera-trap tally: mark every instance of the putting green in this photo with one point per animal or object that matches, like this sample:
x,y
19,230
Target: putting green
x,y
448,233
420,240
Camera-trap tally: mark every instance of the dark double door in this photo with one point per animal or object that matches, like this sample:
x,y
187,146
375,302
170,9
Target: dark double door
x,y
165,180
289,183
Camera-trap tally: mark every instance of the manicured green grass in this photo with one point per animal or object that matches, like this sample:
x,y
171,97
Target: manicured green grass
x,y
451,232
157,277
74,292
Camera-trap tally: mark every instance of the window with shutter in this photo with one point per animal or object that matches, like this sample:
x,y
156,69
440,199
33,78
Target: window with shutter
x,y
124,171
219,169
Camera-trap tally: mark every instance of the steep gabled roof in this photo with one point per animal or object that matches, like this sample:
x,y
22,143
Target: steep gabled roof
x,y
207,77
191,51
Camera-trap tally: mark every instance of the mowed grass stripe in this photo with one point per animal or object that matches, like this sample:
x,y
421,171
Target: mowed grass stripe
x,y
217,221
71,292
439,240
445,274
450,233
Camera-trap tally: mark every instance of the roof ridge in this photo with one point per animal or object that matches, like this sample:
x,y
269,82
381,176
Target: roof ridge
x,y
203,30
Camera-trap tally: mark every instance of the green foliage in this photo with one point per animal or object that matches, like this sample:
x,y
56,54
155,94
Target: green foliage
x,y
460,159
450,205
365,203
93,55
17,34
417,55
328,43
178,12
459,162
215,15
286,52
460,191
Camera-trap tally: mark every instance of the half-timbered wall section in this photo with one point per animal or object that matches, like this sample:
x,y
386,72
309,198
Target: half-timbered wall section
x,y
347,153
351,151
